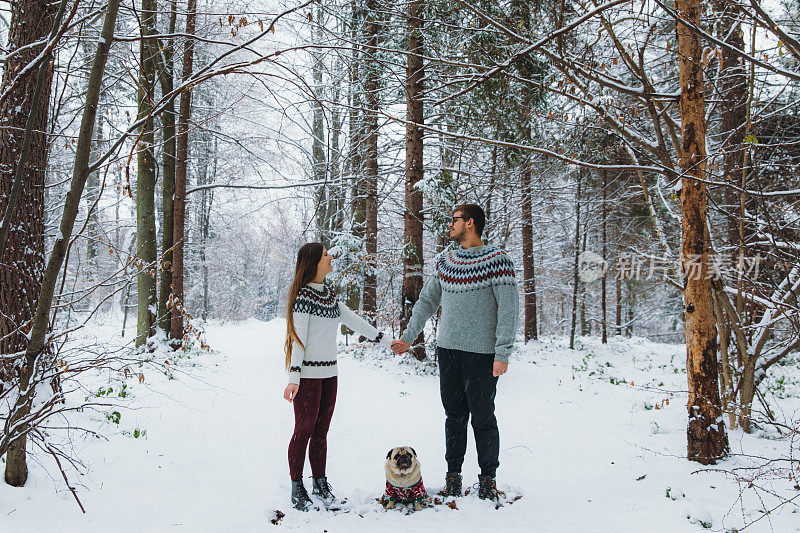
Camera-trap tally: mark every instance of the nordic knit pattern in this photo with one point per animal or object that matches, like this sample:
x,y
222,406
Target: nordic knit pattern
x,y
477,290
414,493
317,313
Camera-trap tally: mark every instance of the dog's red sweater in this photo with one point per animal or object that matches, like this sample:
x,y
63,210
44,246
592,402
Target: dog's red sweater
x,y
414,493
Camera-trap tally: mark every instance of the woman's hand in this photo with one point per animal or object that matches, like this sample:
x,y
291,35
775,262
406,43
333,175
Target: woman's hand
x,y
290,392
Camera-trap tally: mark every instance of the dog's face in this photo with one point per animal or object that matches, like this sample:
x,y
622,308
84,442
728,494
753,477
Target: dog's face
x,y
402,462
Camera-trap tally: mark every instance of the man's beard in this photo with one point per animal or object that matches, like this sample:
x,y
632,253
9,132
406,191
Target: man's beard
x,y
459,237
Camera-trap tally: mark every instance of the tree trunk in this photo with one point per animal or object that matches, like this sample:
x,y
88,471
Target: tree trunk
x,y
412,215
618,309
747,393
585,329
733,104
93,182
16,472
181,173
603,326
735,124
631,295
487,230
318,159
168,174
528,267
724,333
334,166
707,440
371,174
206,200
358,208
22,255
575,263
520,12
147,303
25,110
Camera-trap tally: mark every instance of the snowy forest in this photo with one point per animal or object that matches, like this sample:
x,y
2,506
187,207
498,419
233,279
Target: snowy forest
x,y
161,163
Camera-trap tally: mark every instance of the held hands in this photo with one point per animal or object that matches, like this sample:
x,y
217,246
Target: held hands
x,y
400,346
290,392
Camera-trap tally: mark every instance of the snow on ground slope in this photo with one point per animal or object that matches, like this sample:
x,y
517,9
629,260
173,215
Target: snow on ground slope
x,y
593,439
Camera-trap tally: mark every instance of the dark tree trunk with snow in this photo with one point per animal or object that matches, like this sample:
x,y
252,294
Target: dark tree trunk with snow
x,y
618,306
168,174
16,467
412,215
575,263
706,435
733,107
528,266
22,261
337,195
371,171
93,188
585,329
206,169
603,326
147,302
181,175
355,160
318,159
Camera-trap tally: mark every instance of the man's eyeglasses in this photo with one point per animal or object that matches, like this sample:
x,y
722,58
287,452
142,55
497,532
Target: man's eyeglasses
x,y
453,222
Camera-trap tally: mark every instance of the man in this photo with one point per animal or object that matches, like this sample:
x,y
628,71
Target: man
x,y
477,291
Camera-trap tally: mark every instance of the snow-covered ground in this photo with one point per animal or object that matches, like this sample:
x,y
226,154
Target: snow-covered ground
x,y
593,439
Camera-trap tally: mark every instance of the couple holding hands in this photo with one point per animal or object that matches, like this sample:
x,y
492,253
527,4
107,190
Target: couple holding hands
x,y
476,288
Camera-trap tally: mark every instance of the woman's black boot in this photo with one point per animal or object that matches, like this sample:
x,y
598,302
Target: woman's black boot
x,y
300,499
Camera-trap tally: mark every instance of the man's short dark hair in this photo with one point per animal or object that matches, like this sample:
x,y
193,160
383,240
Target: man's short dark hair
x,y
475,213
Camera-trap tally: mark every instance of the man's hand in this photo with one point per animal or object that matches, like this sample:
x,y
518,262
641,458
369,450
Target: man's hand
x,y
499,369
290,392
400,346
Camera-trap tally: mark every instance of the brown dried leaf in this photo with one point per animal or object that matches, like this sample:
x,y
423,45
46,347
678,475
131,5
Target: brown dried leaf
x,y
278,517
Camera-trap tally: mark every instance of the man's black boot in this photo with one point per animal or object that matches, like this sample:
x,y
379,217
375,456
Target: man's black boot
x,y
452,484
487,487
300,499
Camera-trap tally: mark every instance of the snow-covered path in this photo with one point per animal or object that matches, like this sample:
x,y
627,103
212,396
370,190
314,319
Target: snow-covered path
x,y
214,456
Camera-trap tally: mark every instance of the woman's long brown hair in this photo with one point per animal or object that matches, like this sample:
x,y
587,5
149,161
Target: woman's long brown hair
x,y
308,257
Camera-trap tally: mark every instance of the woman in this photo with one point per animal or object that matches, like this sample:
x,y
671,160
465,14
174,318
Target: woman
x,y
312,320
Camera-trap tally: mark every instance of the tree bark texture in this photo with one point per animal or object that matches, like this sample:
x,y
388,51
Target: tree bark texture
x,y
618,306
355,160
733,106
23,161
22,260
707,440
412,215
318,142
167,175
370,298
528,266
16,469
181,176
575,264
147,302
603,287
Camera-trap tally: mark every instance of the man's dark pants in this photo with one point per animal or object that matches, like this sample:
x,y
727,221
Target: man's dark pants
x,y
468,389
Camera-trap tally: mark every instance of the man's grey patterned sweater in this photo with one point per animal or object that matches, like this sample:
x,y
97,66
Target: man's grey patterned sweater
x,y
477,290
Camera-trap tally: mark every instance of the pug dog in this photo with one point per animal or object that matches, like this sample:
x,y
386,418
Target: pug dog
x,y
404,478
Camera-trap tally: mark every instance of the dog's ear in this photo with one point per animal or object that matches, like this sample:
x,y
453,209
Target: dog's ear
x,y
412,450
389,455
